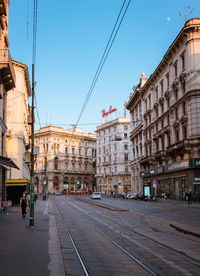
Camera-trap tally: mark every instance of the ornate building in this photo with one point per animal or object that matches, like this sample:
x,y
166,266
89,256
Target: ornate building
x,y
7,82
66,160
170,159
18,132
113,155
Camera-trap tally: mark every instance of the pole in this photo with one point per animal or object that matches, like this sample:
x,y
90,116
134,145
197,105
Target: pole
x,y
31,220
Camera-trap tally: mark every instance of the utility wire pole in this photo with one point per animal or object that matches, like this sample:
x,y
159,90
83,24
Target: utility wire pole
x,y
31,220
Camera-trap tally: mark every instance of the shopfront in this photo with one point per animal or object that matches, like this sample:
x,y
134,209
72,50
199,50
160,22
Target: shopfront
x,y
174,179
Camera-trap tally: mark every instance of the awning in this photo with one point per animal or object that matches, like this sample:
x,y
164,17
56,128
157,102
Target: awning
x,y
17,182
7,162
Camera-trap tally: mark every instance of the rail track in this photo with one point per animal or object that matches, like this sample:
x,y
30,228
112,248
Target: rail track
x,y
126,228
108,238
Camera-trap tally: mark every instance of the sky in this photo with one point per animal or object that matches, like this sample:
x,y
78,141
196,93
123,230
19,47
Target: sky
x,y
71,38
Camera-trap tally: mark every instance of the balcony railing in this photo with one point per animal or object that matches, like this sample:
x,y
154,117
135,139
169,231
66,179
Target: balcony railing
x,y
3,7
6,69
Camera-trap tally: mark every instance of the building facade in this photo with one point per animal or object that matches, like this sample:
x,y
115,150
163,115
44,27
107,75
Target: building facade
x,y
19,131
66,160
170,160
136,107
113,154
7,82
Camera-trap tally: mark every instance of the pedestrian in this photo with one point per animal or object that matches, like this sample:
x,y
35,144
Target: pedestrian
x,y
23,204
189,196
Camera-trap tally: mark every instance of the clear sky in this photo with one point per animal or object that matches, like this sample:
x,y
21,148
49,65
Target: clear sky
x,y
71,37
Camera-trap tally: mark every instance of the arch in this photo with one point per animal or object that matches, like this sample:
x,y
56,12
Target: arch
x,y
66,180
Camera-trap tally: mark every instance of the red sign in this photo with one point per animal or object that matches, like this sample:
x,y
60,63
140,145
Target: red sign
x,y
111,110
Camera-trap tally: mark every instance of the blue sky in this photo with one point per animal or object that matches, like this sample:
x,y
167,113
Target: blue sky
x,y
71,37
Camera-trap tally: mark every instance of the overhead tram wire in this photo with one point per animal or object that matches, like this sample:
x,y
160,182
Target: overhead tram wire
x,y
104,57
102,61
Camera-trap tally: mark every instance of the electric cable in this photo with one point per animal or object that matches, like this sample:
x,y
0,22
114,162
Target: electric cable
x,y
103,59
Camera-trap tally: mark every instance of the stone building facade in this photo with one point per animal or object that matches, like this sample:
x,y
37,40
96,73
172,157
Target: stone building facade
x,y
19,130
113,155
66,160
7,82
170,158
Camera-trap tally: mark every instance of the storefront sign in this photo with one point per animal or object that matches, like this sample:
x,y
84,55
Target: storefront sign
x,y
152,172
176,166
195,163
111,110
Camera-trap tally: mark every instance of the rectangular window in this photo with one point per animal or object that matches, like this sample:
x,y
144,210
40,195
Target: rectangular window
x,y
73,150
126,168
167,77
156,92
183,60
126,147
175,69
125,127
66,150
79,151
126,157
86,153
176,113
177,135
161,87
184,132
125,135
184,108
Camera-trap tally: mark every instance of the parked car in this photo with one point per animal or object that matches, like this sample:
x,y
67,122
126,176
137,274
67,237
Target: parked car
x,y
57,193
95,195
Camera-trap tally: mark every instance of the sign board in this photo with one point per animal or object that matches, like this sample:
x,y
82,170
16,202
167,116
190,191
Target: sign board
x,y
36,150
195,163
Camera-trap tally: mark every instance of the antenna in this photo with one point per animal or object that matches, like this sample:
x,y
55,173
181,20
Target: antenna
x,y
186,13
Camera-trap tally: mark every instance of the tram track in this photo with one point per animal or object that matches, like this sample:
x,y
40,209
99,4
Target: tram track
x,y
82,262
181,254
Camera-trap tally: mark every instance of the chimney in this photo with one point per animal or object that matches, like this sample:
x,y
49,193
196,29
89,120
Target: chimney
x,y
143,79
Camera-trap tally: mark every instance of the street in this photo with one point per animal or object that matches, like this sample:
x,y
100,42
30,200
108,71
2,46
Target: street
x,y
136,240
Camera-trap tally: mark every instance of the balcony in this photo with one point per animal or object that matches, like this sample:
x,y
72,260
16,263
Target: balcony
x,y
6,69
3,7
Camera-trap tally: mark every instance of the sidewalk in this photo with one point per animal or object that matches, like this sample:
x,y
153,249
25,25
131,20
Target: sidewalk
x,y
24,251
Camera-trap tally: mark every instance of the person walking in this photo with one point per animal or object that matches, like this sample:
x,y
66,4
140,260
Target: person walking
x,y
189,195
23,204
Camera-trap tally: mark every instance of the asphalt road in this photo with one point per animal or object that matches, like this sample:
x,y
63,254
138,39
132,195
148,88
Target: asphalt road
x,y
140,241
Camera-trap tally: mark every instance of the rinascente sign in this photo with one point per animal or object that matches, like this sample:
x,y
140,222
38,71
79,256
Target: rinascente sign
x,y
195,163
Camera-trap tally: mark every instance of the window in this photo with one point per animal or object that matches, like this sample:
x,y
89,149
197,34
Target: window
x,y
109,169
115,146
176,113
86,152
183,60
126,157
176,93
73,150
79,151
168,139
168,119
175,69
156,92
56,163
86,167
66,150
161,87
150,101
162,108
125,135
115,169
115,156
167,77
126,147
157,145
177,135
184,132
168,102
126,168
184,108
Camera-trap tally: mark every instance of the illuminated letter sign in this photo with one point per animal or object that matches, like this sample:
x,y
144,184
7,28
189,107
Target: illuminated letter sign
x,y
111,110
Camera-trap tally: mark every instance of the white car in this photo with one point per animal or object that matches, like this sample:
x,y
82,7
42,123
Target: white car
x,y
95,195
